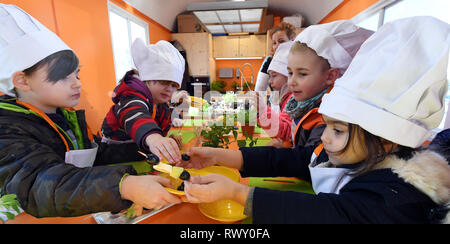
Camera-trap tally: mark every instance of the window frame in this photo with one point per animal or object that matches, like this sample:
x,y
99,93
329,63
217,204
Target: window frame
x,y
130,18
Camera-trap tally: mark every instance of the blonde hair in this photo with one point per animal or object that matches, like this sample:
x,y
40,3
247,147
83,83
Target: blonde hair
x,y
289,29
300,47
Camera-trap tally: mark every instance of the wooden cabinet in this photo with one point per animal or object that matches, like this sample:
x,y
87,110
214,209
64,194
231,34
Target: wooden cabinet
x,y
199,54
239,46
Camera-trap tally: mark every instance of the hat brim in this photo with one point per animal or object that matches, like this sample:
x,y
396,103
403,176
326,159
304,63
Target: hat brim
x,y
374,119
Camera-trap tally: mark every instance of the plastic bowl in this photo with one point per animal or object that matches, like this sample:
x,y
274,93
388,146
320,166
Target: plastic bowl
x,y
223,210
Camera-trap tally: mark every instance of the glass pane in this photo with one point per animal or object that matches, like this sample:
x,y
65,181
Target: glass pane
x,y
251,14
370,23
251,28
215,28
229,16
207,17
137,31
435,8
233,28
408,8
121,45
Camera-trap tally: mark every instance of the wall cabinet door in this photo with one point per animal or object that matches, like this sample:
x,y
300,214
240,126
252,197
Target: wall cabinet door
x,y
252,46
198,48
226,46
239,46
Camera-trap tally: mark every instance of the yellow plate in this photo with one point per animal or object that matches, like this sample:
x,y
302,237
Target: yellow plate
x,y
228,172
223,210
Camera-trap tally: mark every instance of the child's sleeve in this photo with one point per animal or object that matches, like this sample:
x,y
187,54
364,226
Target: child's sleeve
x,y
284,124
274,162
135,117
46,186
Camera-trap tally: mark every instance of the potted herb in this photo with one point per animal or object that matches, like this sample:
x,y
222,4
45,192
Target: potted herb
x,y
215,134
218,85
247,117
243,143
235,86
8,204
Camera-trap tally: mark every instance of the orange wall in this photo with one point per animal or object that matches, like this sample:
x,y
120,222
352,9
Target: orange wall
x,y
237,63
347,10
84,26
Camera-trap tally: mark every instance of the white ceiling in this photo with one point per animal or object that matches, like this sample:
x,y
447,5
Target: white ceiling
x,y
165,11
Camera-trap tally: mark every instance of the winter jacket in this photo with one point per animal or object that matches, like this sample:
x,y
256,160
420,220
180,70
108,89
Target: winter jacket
x,y
134,116
396,191
32,164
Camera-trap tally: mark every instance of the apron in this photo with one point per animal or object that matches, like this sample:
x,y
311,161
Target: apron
x,y
79,158
82,158
325,179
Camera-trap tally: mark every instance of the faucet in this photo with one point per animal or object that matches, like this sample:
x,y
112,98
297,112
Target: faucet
x,y
242,75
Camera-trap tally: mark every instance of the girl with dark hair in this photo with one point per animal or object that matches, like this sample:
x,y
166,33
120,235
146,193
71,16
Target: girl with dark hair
x,y
370,167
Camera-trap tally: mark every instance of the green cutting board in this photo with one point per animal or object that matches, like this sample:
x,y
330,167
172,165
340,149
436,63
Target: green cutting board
x,y
280,184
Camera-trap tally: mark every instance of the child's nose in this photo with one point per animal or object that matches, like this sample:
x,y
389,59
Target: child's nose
x,y
77,84
324,138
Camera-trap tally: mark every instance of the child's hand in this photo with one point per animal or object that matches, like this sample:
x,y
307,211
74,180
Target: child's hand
x,y
177,123
164,147
148,191
208,188
200,157
276,142
214,187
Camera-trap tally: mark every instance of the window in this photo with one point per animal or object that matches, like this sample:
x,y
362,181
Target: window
x,y
388,11
125,28
371,23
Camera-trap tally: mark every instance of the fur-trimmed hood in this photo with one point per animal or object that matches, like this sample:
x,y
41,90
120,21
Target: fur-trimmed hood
x,y
427,171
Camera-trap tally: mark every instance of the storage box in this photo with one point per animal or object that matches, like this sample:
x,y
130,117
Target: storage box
x,y
188,23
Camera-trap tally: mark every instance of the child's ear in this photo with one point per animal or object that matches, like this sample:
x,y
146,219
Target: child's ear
x,y
20,81
332,76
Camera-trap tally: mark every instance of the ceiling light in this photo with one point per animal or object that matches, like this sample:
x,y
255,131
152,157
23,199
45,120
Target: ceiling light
x,y
215,28
207,17
230,16
233,28
250,28
248,15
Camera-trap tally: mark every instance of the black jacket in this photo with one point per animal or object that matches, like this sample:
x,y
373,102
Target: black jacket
x,y
32,167
397,191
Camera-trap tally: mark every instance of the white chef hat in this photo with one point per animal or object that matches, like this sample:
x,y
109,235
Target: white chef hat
x,y
23,43
337,41
395,85
160,61
280,59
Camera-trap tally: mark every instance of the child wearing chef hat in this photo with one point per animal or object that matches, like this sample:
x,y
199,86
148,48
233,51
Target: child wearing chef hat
x,y
47,150
141,113
273,119
319,56
377,117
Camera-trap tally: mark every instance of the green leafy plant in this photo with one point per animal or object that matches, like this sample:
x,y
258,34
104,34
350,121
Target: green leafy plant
x,y
248,86
218,85
215,134
248,137
235,86
8,203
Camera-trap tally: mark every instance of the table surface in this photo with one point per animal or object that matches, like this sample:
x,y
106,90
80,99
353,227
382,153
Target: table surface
x,y
184,213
